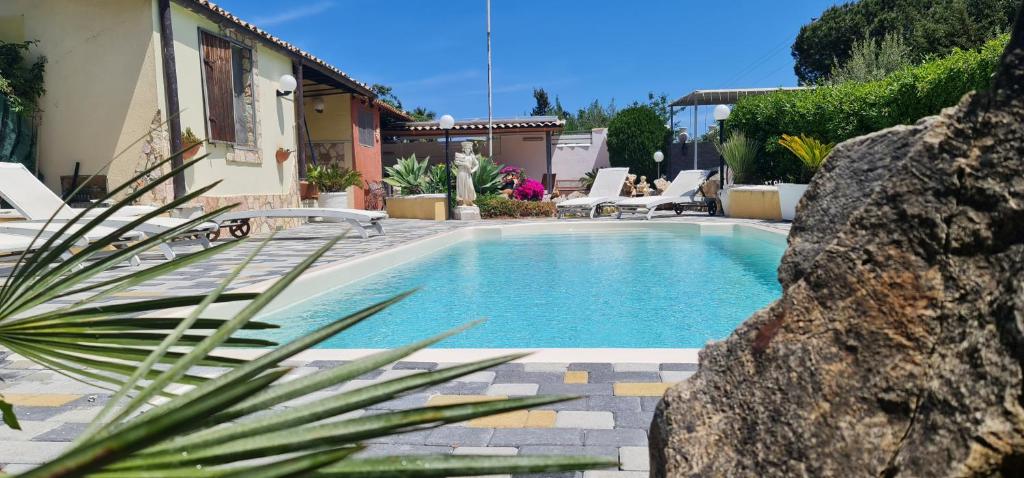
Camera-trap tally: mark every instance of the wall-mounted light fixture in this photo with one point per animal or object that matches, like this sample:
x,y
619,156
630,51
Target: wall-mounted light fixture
x,y
286,85
318,104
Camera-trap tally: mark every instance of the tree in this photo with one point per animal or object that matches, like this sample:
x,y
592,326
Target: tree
x,y
929,27
422,114
386,94
21,80
543,105
871,59
634,134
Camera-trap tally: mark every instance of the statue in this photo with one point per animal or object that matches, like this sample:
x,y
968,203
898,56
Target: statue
x,y
467,164
629,187
642,188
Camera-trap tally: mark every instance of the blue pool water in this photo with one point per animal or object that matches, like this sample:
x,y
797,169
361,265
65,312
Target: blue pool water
x,y
632,288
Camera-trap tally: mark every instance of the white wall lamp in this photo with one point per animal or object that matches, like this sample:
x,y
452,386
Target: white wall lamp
x,y
318,104
286,85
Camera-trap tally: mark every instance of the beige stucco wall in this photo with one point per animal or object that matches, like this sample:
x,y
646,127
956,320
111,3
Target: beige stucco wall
x,y
100,80
275,117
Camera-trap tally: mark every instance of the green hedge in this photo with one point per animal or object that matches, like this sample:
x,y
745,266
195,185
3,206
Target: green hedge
x,y
634,134
499,206
840,112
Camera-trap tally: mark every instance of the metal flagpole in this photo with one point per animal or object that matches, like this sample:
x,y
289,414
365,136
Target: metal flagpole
x,y
490,89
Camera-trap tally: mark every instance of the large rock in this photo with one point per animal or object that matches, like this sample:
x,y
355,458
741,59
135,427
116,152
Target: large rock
x,y
897,346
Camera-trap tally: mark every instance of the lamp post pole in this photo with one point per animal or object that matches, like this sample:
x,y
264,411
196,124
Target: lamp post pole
x,y
721,114
447,123
721,157
447,178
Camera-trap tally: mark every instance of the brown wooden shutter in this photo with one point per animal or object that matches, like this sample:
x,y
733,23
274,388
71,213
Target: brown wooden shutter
x,y
220,106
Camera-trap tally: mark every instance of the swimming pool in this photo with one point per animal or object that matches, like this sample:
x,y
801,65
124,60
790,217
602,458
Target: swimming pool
x,y
635,287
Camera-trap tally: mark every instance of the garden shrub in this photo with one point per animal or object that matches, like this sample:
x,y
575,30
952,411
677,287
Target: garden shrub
x,y
530,190
837,113
634,134
495,206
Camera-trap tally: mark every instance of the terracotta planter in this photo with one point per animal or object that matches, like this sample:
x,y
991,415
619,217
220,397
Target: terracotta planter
x,y
282,155
308,190
190,151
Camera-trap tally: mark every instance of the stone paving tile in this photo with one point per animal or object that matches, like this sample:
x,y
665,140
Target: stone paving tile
x,y
636,367
386,450
415,366
602,451
648,404
533,436
634,458
613,403
675,377
486,450
679,367
633,419
576,376
614,474
64,433
30,452
545,367
29,429
418,437
459,388
575,389
613,377
615,437
592,367
460,437
513,389
577,419
527,377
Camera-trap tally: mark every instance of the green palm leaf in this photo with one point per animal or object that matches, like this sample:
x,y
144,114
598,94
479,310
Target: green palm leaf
x,y
199,425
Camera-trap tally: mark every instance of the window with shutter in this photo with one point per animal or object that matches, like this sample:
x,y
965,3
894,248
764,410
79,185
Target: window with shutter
x,y
227,79
366,129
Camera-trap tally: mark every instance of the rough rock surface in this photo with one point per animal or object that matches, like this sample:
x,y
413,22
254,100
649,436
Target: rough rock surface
x,y
897,346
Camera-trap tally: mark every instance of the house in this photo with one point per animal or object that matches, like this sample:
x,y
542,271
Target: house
x,y
126,78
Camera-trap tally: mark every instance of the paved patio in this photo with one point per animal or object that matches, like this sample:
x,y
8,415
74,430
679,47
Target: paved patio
x,y
610,419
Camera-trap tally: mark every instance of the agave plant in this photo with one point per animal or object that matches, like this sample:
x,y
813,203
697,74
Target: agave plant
x,y
408,174
740,154
811,152
437,175
487,179
200,426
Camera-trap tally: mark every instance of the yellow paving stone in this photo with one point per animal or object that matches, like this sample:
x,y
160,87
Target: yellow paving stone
x,y
516,419
577,376
541,419
652,389
39,399
439,400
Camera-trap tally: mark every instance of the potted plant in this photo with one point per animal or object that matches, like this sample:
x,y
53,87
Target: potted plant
x,y
332,182
812,153
740,153
190,144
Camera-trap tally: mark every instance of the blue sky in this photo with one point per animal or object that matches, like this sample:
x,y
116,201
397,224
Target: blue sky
x,y
434,52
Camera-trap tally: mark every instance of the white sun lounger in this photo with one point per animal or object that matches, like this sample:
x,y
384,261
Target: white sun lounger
x,y
362,221
605,190
683,190
37,203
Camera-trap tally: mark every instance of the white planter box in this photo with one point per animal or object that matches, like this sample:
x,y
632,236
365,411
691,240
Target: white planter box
x,y
333,200
789,197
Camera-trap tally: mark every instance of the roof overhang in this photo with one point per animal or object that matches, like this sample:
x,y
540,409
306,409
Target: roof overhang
x,y
313,69
728,96
530,124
